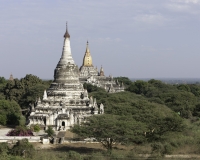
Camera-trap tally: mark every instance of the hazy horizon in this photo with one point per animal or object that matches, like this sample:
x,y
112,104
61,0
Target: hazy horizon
x,y
128,38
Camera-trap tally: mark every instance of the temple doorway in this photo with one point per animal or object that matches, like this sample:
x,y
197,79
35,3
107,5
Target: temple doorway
x,y
63,125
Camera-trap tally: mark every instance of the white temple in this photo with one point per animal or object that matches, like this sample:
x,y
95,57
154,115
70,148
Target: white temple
x,y
66,102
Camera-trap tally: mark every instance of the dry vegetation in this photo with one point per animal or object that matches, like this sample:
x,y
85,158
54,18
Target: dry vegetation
x,y
90,151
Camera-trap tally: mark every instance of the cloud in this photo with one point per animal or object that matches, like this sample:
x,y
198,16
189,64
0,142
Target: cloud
x,y
153,49
179,7
107,39
184,6
156,19
187,1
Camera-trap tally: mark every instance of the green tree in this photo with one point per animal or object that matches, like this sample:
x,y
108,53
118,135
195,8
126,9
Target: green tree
x,y
50,132
33,93
158,84
112,129
153,115
2,80
22,121
138,87
3,119
180,101
160,127
197,110
2,85
126,81
23,148
35,128
25,90
10,112
184,87
91,88
4,149
195,89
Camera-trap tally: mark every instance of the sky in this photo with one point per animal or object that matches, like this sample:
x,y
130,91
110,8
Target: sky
x,y
131,38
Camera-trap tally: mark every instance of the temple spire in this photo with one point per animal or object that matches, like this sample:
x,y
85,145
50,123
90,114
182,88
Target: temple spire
x,y
87,48
87,60
101,73
66,57
66,35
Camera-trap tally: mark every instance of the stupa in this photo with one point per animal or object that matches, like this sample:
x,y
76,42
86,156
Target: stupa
x,y
66,102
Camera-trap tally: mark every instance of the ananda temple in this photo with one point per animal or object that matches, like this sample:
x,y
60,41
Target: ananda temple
x,y
89,74
66,102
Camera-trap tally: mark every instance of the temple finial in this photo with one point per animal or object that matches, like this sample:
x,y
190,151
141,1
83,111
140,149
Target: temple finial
x,y
87,47
66,35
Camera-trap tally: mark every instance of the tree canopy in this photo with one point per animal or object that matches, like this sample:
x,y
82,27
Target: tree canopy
x,y
10,113
110,129
148,111
16,95
125,80
182,98
25,90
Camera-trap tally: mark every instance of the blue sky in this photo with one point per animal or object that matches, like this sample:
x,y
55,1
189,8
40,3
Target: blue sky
x,y
133,38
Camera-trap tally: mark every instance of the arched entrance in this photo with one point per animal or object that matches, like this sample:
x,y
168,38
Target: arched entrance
x,y
63,125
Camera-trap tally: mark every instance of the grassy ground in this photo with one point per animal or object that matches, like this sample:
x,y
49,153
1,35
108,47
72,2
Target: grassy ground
x,y
90,151
95,150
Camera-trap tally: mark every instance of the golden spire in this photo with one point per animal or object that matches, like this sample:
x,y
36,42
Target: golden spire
x,y
87,48
87,60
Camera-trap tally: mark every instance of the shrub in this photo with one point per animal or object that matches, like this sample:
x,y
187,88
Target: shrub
x,y
36,128
157,149
23,148
72,155
50,132
160,149
116,155
168,149
22,120
10,112
20,131
96,156
3,119
132,155
3,148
